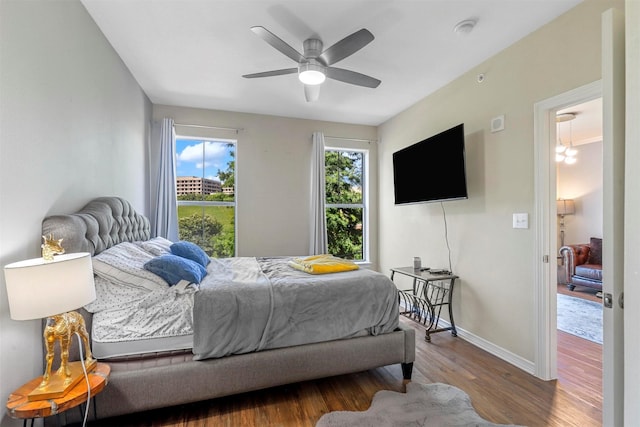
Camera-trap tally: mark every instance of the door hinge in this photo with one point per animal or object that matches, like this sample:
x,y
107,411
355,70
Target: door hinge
x,y
608,300
545,259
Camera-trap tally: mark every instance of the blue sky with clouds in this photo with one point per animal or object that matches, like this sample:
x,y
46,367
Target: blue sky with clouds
x,y
190,156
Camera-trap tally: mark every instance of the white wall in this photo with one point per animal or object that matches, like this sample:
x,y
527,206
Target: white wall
x,y
273,161
494,298
73,126
582,182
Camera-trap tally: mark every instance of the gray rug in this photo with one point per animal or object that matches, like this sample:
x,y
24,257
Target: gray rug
x,y
580,317
425,405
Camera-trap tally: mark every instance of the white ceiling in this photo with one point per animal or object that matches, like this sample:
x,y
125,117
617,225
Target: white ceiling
x,y
586,127
193,52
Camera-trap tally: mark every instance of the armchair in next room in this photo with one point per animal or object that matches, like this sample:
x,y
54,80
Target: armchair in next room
x,y
583,264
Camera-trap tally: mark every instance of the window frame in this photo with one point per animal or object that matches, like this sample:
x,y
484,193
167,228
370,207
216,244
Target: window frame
x,y
366,254
209,203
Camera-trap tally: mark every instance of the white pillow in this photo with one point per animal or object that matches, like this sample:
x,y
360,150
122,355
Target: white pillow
x,y
123,264
156,246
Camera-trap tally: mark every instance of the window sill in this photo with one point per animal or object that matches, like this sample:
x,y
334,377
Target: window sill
x,y
364,264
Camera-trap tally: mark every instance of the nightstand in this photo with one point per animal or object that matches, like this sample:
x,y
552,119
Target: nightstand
x,y
18,405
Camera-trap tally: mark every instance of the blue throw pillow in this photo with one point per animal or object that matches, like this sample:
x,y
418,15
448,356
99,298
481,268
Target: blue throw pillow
x,y
173,269
190,251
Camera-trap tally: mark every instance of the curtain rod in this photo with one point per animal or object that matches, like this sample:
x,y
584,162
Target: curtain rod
x,y
350,139
207,127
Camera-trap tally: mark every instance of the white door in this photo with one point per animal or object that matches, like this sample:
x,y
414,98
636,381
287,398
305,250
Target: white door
x,y
632,213
613,109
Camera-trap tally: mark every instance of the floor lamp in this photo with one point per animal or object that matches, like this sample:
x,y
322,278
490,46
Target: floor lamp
x,y
564,207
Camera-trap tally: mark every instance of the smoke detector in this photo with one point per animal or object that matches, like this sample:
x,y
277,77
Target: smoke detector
x,y
465,27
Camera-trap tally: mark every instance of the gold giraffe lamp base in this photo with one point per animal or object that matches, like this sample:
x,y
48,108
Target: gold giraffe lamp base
x,y
62,328
58,385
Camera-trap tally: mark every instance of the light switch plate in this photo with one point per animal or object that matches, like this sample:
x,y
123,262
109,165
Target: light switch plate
x,y
520,220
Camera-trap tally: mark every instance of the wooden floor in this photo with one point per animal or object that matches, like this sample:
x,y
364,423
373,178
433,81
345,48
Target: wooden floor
x,y
500,392
579,360
580,292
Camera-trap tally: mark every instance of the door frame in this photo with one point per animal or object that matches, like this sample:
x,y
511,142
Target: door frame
x,y
545,224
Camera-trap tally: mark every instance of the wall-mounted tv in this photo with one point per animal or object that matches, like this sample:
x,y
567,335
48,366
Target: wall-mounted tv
x,y
432,170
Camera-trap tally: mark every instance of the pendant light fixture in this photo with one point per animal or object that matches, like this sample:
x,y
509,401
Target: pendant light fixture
x,y
566,154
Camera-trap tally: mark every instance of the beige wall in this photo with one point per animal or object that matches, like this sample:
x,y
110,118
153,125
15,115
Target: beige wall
x,y
582,182
273,162
73,126
494,299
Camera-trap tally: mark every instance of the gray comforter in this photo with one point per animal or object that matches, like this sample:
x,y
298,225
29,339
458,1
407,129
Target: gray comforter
x,y
251,304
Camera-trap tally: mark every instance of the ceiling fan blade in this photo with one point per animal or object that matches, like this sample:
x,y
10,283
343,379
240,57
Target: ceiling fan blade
x,y
312,92
346,47
278,43
352,77
271,73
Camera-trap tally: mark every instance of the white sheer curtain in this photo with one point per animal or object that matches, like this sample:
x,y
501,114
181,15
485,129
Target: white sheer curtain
x,y
164,219
318,223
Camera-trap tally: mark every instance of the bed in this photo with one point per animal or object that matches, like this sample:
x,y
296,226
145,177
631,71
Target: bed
x,y
275,324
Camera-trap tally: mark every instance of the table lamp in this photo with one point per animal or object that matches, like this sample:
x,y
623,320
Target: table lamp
x,y
52,287
564,207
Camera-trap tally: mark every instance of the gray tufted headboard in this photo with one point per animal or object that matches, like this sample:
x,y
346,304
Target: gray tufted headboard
x,y
101,224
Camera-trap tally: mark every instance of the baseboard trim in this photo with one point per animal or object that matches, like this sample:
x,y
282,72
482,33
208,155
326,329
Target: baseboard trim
x,y
517,361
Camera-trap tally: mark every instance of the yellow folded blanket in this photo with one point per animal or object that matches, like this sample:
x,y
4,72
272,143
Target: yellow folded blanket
x,y
322,264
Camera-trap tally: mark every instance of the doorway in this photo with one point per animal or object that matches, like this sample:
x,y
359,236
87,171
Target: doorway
x,y
547,244
579,209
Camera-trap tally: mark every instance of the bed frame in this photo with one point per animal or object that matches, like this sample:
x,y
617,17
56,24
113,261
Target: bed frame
x,y
172,379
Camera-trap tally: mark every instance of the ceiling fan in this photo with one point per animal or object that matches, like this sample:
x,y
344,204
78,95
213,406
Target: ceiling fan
x,y
315,65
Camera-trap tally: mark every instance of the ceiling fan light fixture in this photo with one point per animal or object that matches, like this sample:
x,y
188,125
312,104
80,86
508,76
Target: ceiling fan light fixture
x,y
311,74
314,66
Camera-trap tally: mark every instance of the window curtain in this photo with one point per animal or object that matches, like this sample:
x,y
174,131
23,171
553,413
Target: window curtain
x,y
318,218
164,220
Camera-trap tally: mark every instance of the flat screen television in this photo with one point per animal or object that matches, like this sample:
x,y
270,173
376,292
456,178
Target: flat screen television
x,y
432,170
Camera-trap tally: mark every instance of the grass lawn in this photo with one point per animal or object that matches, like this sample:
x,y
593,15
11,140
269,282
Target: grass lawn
x,y
224,214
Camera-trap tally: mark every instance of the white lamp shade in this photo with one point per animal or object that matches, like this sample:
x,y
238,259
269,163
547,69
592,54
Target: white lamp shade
x,y
37,288
565,207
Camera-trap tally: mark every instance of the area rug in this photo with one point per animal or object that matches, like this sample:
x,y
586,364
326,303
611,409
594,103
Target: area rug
x,y
424,405
580,317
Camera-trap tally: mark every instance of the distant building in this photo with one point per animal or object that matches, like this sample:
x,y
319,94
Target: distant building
x,y
194,184
227,190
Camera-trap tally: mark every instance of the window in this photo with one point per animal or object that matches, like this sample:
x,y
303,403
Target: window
x,y
346,203
205,187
